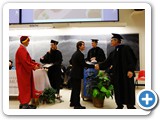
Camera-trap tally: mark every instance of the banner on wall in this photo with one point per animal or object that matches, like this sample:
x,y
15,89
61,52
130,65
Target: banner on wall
x,y
67,45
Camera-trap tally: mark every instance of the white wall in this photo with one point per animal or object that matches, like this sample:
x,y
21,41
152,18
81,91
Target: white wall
x,y
129,22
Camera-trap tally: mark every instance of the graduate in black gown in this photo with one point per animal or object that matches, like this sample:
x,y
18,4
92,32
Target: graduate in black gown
x,y
95,54
123,62
54,72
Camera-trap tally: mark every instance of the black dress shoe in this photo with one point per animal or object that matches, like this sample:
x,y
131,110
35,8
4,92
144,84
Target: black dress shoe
x,y
26,106
131,107
33,106
79,107
71,105
119,107
22,105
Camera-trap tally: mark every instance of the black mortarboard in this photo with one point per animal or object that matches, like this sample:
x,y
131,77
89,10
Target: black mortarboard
x,y
95,40
54,41
119,37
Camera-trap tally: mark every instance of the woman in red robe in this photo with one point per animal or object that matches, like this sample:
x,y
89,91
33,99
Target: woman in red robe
x,y
24,71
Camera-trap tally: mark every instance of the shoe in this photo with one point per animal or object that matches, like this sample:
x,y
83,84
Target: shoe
x,y
33,106
119,107
79,107
20,106
131,107
26,106
71,105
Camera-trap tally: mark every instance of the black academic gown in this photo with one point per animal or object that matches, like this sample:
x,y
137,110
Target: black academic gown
x,y
96,52
54,72
123,60
77,73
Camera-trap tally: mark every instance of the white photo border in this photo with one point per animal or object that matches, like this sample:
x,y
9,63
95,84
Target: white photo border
x,y
8,6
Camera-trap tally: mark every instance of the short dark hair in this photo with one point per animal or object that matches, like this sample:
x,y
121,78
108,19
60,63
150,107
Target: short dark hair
x,y
79,44
11,61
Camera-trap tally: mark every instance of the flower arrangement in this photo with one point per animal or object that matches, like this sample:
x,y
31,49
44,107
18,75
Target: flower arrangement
x,y
48,96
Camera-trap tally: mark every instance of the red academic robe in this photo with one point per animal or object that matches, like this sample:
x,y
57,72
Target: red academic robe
x,y
24,71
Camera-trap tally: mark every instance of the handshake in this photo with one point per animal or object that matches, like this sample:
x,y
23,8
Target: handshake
x,y
37,67
96,66
129,73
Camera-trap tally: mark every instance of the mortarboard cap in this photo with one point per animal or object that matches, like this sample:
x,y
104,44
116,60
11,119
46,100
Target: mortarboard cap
x,y
119,37
24,39
54,41
95,40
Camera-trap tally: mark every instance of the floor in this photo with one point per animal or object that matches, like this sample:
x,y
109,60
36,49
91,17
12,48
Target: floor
x,y
109,103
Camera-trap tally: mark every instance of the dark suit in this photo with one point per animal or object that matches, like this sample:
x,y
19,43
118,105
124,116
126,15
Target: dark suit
x,y
78,63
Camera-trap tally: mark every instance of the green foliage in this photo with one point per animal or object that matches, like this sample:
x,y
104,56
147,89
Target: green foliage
x,y
100,86
48,96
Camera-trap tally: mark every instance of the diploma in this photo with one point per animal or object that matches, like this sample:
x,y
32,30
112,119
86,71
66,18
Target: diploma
x,y
47,65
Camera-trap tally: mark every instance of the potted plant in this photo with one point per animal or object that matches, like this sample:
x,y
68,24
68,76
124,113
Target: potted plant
x,y
48,96
100,87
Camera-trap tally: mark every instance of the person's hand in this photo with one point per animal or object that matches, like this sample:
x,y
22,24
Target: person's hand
x,y
36,67
96,66
130,74
42,58
40,66
93,58
111,67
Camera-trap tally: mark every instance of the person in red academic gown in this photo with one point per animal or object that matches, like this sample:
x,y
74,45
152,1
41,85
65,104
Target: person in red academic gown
x,y
24,71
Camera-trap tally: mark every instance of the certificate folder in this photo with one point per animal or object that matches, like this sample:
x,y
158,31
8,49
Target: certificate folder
x,y
47,65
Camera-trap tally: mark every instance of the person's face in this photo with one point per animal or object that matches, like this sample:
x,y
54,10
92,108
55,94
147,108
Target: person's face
x,y
53,46
82,47
10,64
26,43
114,42
94,44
